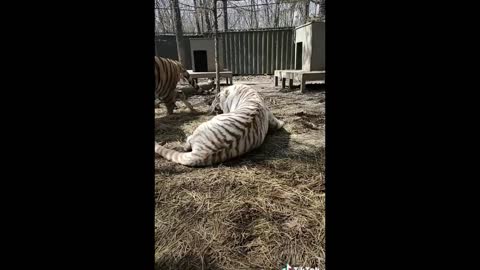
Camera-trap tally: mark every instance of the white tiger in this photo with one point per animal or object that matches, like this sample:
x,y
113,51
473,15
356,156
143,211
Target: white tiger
x,y
241,128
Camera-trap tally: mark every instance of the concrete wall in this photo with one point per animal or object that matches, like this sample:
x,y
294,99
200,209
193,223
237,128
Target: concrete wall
x,y
313,37
207,44
304,34
318,41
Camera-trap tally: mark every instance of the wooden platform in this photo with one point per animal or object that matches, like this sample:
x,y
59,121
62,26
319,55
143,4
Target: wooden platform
x,y
211,75
299,75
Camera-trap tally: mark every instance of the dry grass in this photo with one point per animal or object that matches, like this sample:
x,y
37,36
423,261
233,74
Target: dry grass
x,y
258,211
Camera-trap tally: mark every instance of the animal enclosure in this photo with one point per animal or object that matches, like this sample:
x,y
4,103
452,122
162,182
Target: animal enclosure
x,y
256,52
266,208
254,212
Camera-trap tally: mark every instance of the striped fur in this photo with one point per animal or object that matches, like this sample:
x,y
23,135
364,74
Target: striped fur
x,y
168,73
241,128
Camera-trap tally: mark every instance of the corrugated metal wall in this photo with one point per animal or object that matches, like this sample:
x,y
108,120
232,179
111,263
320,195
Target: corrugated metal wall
x,y
259,52
246,52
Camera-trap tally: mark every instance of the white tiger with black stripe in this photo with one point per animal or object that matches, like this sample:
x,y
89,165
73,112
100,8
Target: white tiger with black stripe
x,y
241,128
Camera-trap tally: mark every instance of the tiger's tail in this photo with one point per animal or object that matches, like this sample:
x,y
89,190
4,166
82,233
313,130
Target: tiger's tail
x,y
184,158
190,158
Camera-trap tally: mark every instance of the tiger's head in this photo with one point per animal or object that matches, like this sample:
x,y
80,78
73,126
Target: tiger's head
x,y
217,102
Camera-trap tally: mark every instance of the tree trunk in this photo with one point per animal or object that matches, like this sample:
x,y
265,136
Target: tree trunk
x,y
307,11
179,32
197,22
252,8
172,16
207,17
254,15
225,16
215,29
292,15
277,13
267,13
322,8
201,18
159,22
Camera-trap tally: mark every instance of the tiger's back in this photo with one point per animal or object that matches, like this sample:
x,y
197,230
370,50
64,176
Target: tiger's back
x,y
241,128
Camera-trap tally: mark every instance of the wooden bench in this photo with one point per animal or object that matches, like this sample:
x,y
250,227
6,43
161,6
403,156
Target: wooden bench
x,y
299,75
211,75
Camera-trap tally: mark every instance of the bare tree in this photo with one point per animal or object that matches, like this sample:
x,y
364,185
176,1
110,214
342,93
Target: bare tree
x,y
307,10
159,21
267,12
322,9
225,16
254,13
201,17
277,13
164,21
206,14
197,21
237,14
215,29
293,8
179,32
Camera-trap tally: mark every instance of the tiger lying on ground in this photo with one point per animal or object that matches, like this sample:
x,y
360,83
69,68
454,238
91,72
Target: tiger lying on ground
x,y
241,128
167,74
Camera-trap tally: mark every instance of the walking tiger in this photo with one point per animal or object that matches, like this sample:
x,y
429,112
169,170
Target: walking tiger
x,y
168,73
241,128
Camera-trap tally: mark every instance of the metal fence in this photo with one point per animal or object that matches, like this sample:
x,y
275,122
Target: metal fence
x,y
250,52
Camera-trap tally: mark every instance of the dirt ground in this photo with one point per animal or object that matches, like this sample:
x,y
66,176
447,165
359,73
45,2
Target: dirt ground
x,y
259,211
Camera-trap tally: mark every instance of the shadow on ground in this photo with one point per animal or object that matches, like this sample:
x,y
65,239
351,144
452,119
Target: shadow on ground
x,y
188,262
169,127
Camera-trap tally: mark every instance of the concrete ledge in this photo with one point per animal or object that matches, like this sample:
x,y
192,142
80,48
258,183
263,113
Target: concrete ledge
x,y
211,75
299,75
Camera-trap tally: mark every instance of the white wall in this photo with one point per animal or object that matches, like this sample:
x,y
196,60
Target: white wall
x,y
313,37
303,34
207,44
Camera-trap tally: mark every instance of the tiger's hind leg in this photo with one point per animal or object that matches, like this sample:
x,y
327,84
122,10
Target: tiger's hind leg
x,y
273,122
170,101
170,106
187,146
